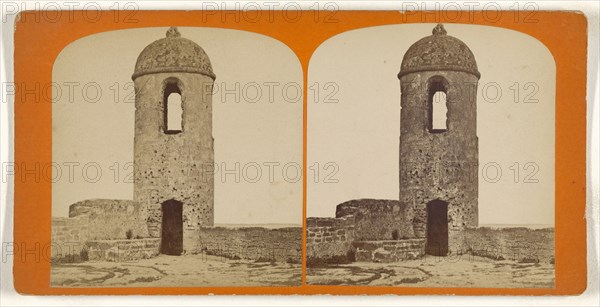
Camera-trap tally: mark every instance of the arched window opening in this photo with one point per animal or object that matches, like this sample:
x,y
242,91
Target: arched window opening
x,y
438,108
173,109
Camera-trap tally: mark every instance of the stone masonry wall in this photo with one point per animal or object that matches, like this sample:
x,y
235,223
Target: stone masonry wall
x,y
110,219
254,243
439,165
122,250
389,251
329,237
175,166
68,237
517,243
378,219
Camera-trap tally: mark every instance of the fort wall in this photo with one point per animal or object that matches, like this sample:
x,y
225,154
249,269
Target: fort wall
x,y
389,250
378,219
329,237
122,250
253,243
68,238
111,219
513,243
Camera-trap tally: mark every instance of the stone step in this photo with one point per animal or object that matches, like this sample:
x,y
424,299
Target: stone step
x,y
389,250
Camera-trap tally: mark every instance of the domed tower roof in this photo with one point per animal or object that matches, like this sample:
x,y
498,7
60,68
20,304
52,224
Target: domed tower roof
x,y
439,51
173,54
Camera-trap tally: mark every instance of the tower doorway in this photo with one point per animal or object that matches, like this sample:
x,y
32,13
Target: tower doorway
x,y
172,228
437,228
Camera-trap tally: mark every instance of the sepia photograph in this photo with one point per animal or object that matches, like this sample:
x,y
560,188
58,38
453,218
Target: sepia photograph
x,y
436,153
224,152
187,145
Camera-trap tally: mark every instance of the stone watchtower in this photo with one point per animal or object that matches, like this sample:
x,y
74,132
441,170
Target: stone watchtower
x,y
173,140
438,139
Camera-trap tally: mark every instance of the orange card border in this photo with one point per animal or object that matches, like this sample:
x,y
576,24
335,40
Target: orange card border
x,y
38,41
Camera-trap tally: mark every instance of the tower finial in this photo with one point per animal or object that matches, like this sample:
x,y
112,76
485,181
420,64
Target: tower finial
x,y
439,30
173,32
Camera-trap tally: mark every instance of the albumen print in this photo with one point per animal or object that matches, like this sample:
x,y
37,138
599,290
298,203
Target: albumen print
x,y
189,145
433,173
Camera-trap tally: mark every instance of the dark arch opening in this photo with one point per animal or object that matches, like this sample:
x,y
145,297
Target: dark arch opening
x,y
172,108
437,105
171,242
437,228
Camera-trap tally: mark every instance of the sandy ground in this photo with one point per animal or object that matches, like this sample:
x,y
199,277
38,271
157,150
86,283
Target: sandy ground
x,y
176,271
437,272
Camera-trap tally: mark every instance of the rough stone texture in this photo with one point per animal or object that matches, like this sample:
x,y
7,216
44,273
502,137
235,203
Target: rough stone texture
x,y
173,54
337,237
389,251
110,219
255,243
68,236
329,237
439,52
377,219
515,243
167,165
122,250
175,166
439,165
434,164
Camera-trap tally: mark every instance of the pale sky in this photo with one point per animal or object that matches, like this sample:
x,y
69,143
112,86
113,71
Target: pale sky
x,y
360,133
260,132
